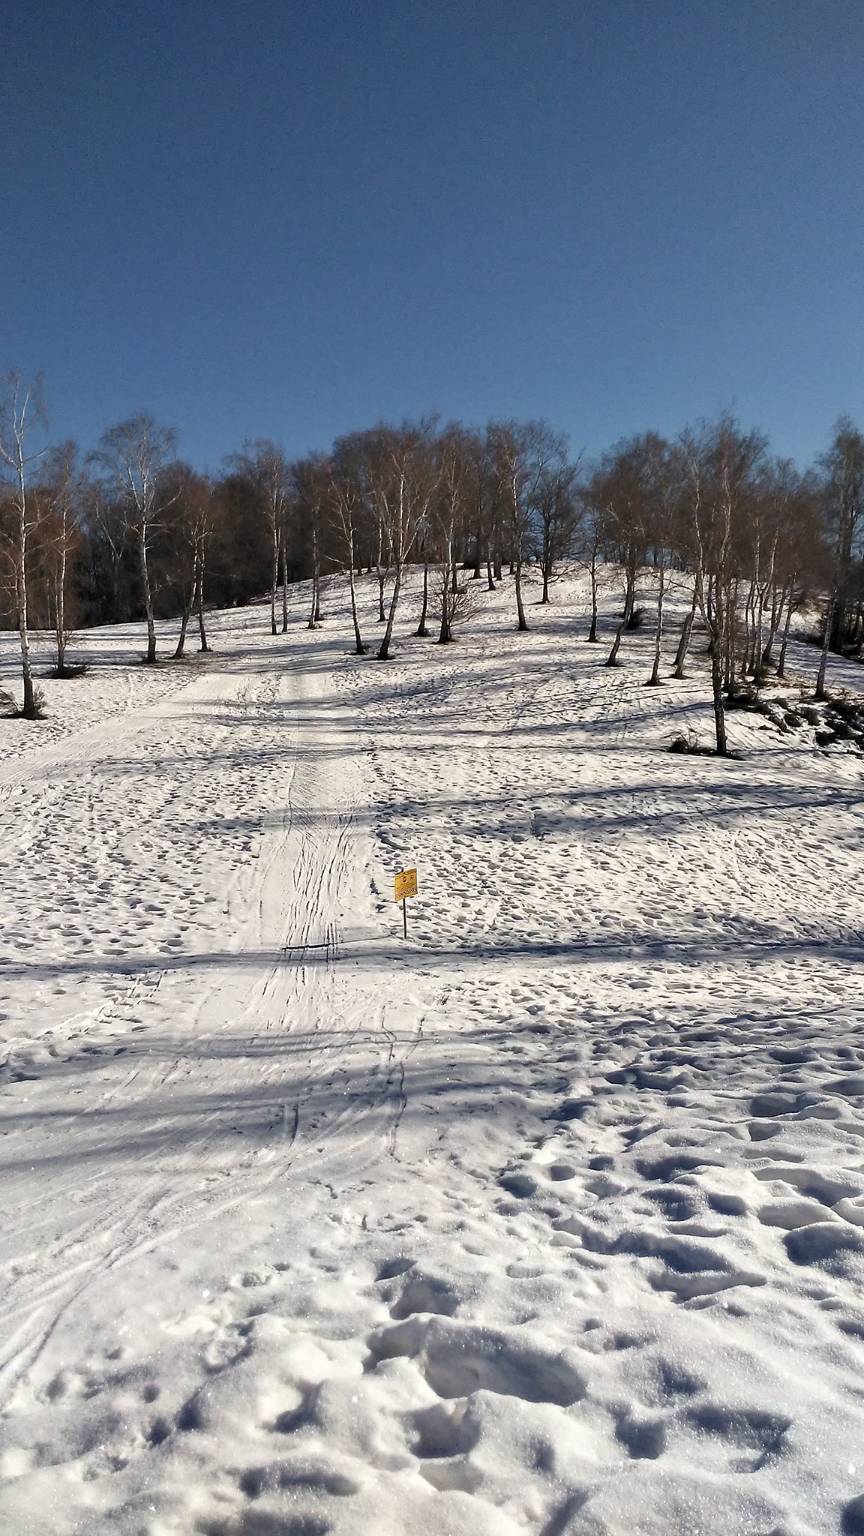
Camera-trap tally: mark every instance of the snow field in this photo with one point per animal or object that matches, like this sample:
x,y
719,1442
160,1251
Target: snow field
x,y
550,1221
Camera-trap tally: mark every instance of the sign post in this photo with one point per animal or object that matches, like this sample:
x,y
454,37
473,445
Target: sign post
x,y
405,885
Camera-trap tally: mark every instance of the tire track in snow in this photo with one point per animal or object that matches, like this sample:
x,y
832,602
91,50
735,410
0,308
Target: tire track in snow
x,y
287,899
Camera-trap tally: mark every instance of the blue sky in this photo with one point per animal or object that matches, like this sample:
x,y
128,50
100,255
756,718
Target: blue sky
x,y
291,220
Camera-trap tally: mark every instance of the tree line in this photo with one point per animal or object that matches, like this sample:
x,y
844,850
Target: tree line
x,y
130,531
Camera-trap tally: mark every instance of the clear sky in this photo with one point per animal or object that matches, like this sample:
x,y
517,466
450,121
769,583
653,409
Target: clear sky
x,y
293,219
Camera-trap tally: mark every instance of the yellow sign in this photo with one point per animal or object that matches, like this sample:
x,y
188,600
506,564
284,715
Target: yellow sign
x,y
405,884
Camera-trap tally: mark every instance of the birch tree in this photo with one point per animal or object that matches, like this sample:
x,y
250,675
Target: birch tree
x,y
190,527
60,491
402,476
450,505
686,547
346,504
520,453
843,470
591,546
781,485
263,463
311,481
660,524
722,461
132,456
557,512
803,559
618,491
21,409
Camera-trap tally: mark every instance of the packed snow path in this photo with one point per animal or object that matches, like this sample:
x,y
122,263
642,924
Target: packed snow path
x,y
550,1221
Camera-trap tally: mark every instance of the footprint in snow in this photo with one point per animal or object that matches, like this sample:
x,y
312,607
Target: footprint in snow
x,y
643,1439
458,1359
520,1185
425,1293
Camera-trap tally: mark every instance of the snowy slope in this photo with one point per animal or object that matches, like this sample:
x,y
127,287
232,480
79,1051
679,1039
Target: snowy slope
x,y
550,1221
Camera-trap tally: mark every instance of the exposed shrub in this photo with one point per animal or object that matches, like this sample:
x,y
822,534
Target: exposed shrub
x,y
840,718
16,713
68,670
850,709
687,742
741,695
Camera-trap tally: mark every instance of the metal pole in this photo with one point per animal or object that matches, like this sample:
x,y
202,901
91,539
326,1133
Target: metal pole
x,y
404,918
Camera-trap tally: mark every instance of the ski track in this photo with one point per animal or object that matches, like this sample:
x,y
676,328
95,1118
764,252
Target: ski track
x,y
548,1221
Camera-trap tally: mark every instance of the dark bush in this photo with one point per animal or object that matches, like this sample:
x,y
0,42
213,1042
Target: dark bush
x,y
14,713
739,696
68,670
688,742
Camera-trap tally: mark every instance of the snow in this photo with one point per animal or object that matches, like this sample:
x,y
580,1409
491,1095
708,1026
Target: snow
x,y
549,1220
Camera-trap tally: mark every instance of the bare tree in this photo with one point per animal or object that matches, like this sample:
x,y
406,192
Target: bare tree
x,y
520,453
490,498
684,552
312,481
423,542
450,504
210,517
722,462
802,553
21,408
618,489
382,563
557,512
843,469
451,604
132,457
401,476
263,463
773,539
60,492
660,527
592,543
109,533
191,523
346,505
